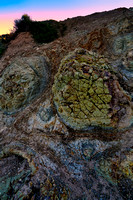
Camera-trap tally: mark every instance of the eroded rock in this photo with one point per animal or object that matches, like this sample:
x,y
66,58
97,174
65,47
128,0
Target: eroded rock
x,y
46,120
14,177
21,82
119,171
87,93
54,161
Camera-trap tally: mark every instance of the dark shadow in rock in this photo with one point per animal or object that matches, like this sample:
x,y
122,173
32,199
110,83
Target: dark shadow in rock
x,y
125,187
15,175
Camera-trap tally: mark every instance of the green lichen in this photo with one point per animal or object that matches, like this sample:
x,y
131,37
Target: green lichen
x,y
21,82
83,91
81,96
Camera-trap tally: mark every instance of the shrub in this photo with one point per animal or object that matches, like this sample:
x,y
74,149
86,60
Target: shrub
x,y
42,31
23,24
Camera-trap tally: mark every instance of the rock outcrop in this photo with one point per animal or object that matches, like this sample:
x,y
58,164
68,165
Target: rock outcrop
x,y
87,93
22,81
66,112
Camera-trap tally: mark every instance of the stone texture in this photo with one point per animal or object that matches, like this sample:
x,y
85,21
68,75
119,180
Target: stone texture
x,y
119,171
14,178
21,82
87,93
41,157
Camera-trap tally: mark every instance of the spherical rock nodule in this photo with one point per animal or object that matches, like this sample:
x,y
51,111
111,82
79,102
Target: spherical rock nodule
x,y
87,93
21,82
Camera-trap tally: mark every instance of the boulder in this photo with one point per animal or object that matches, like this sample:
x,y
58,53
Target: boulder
x,y
87,93
21,82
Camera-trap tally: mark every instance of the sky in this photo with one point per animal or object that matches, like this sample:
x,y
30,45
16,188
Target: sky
x,y
52,9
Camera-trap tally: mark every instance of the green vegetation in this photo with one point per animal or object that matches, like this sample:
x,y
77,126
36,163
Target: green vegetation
x,y
42,31
2,48
4,41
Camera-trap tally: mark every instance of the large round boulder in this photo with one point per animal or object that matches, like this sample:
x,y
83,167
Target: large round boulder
x,y
88,94
21,82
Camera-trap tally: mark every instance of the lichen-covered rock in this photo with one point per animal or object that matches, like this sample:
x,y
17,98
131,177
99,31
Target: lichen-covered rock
x,y
21,82
119,171
41,157
114,169
87,93
123,43
115,41
125,72
128,60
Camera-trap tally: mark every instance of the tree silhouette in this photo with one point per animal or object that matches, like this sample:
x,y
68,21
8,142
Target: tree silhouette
x,y
42,31
23,24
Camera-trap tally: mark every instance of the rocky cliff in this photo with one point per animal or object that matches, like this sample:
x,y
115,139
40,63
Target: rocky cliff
x,y
66,112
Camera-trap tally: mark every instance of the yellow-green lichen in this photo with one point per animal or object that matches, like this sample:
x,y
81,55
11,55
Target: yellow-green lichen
x,y
82,94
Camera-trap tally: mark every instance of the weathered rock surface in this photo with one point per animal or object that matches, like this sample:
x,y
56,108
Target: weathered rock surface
x,y
87,93
53,144
21,82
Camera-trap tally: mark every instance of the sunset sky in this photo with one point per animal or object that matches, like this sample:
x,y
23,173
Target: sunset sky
x,y
53,9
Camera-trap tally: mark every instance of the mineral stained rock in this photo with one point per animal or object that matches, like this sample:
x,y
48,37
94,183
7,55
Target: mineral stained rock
x,y
45,119
87,93
123,167
15,177
41,157
17,173
119,171
114,40
21,82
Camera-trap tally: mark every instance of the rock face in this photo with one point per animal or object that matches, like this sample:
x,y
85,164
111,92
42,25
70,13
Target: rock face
x,y
87,93
21,82
16,173
123,172
66,112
